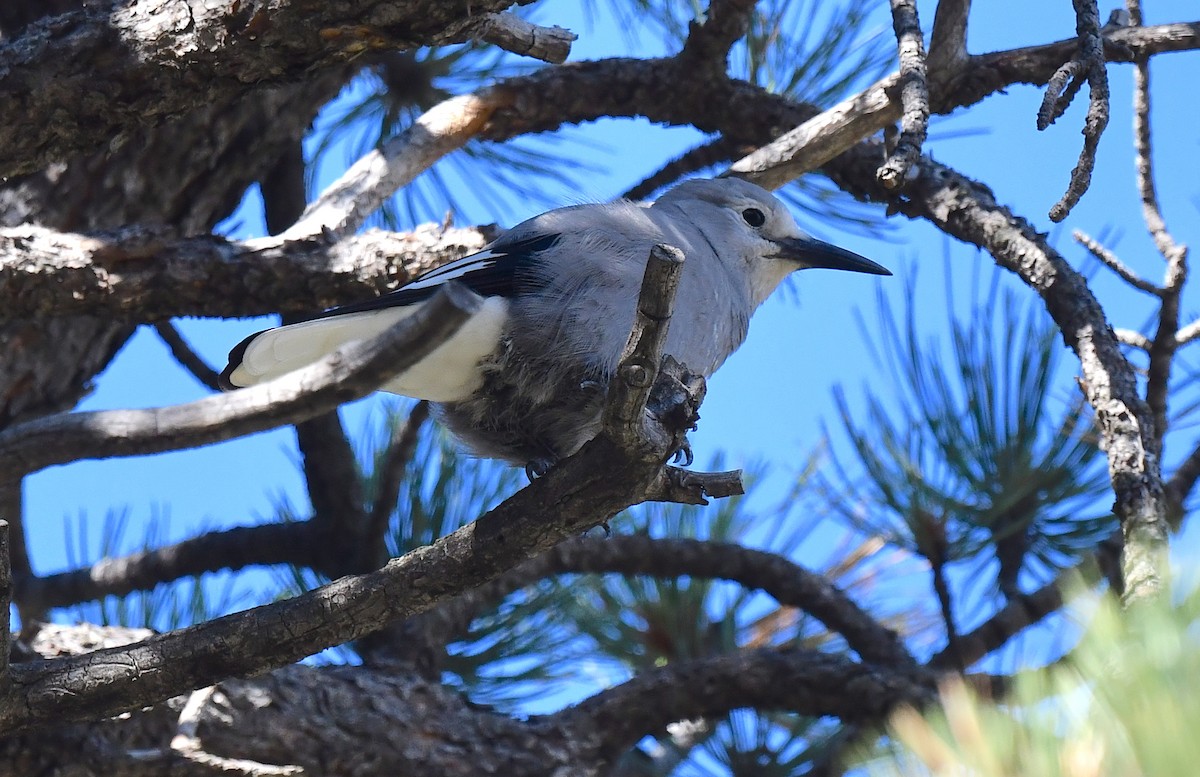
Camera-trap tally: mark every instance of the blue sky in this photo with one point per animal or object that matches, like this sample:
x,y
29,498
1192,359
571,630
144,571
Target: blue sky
x,y
770,399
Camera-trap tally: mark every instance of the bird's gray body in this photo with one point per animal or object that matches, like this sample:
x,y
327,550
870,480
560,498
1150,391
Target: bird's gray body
x,y
538,365
543,388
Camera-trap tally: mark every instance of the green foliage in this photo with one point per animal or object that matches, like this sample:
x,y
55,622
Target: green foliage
x,y
968,455
167,606
1122,705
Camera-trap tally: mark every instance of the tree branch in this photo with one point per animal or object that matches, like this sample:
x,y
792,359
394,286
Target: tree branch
x,y
512,33
1166,337
822,137
389,477
948,40
914,95
611,472
708,42
351,372
1110,260
1151,213
186,357
707,154
156,59
296,543
804,681
346,203
149,275
790,584
968,210
1091,62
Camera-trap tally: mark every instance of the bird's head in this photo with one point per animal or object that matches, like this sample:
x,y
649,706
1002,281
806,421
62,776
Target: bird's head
x,y
750,225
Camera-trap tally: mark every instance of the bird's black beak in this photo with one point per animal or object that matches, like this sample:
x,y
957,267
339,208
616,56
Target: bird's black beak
x,y
810,252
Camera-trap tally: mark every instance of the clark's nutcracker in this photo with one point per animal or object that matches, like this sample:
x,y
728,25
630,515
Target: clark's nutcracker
x,y
524,379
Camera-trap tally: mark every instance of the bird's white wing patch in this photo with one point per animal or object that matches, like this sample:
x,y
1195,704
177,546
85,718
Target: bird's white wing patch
x,y
456,269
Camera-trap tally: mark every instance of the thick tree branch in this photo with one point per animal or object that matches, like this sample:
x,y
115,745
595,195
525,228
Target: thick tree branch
x,y
822,137
346,203
611,472
126,65
804,681
146,275
708,43
352,372
968,210
948,40
788,583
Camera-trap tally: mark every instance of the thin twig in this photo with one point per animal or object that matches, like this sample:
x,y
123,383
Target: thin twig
x,y
937,568
232,549
512,33
187,357
186,743
914,96
707,154
1110,260
1188,333
390,476
1134,338
1151,212
1018,614
1167,335
1061,90
6,599
1091,56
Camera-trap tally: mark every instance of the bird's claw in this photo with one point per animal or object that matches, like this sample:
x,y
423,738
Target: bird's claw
x,y
683,454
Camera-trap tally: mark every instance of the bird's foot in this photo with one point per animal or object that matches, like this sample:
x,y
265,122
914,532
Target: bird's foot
x,y
683,454
675,401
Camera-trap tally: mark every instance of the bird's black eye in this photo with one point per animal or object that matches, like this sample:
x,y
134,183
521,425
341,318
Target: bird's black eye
x,y
754,217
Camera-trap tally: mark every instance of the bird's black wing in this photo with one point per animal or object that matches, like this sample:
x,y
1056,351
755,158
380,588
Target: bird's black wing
x,y
496,271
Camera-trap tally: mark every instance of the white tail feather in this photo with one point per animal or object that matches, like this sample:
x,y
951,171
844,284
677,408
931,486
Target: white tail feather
x,y
448,374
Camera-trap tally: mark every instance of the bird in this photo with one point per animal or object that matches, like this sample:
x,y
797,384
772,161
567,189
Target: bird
x,y
524,379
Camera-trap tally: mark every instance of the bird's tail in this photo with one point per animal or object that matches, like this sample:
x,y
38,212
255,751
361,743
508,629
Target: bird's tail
x,y
274,352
